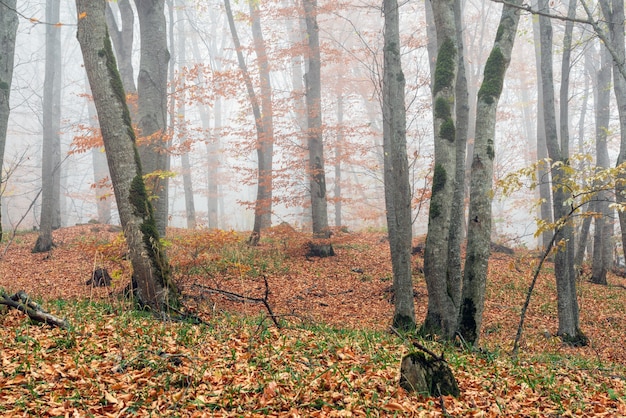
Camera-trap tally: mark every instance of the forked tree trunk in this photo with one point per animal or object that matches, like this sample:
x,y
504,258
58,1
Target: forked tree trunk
x,y
567,302
479,226
442,314
263,121
151,270
397,186
8,31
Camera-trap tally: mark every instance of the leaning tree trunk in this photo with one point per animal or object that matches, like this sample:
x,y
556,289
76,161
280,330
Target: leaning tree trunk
x,y
51,155
481,193
397,186
151,270
8,31
152,104
441,317
321,233
263,121
567,302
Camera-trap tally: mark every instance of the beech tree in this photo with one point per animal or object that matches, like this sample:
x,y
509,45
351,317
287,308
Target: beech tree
x,y
8,31
397,186
263,115
51,150
152,104
441,318
317,175
151,270
481,193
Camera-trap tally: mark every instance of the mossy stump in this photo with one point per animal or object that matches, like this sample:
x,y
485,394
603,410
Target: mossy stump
x,y
427,376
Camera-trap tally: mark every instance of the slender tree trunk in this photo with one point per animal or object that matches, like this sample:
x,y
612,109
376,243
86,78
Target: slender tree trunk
x,y
600,265
543,173
51,158
152,105
264,130
613,11
265,146
122,39
151,270
567,302
177,108
8,32
479,226
338,157
397,185
321,246
441,318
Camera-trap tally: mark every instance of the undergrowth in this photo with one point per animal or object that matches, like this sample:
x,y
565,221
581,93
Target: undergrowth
x,y
115,360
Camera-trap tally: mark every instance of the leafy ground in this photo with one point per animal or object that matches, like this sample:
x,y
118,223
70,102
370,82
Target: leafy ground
x,y
333,357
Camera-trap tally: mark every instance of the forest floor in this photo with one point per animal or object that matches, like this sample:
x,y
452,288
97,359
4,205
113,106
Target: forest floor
x,y
333,355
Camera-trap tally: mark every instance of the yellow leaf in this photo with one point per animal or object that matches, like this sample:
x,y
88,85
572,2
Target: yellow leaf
x,y
394,406
82,15
34,20
58,25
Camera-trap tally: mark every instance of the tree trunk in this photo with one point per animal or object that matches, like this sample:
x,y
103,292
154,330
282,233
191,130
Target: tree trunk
x,y
321,245
51,158
567,302
262,121
543,173
8,31
600,265
338,157
613,11
397,186
151,270
441,318
123,41
177,109
152,104
479,226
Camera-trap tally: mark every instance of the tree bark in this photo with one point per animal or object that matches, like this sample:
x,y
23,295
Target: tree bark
x,y
151,270
321,245
567,302
122,38
262,121
152,104
600,264
8,32
51,149
397,186
543,173
441,318
479,226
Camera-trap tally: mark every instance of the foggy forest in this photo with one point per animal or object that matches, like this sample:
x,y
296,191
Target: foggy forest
x,y
312,208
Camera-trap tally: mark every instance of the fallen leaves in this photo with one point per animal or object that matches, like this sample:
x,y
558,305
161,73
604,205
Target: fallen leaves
x,y
114,362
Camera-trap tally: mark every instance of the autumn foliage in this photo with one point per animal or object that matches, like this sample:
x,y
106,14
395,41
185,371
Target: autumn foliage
x,y
332,357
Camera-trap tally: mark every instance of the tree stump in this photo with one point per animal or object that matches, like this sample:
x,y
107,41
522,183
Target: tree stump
x,y
427,375
99,278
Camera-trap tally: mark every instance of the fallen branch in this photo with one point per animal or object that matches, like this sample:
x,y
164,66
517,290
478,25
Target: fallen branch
x,y
243,298
22,302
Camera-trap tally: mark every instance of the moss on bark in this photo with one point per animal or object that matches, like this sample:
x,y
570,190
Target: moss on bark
x,y
493,80
445,68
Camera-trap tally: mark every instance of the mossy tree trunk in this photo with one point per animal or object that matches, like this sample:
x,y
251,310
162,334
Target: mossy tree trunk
x,y
51,149
8,31
155,288
442,312
397,186
321,245
479,226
